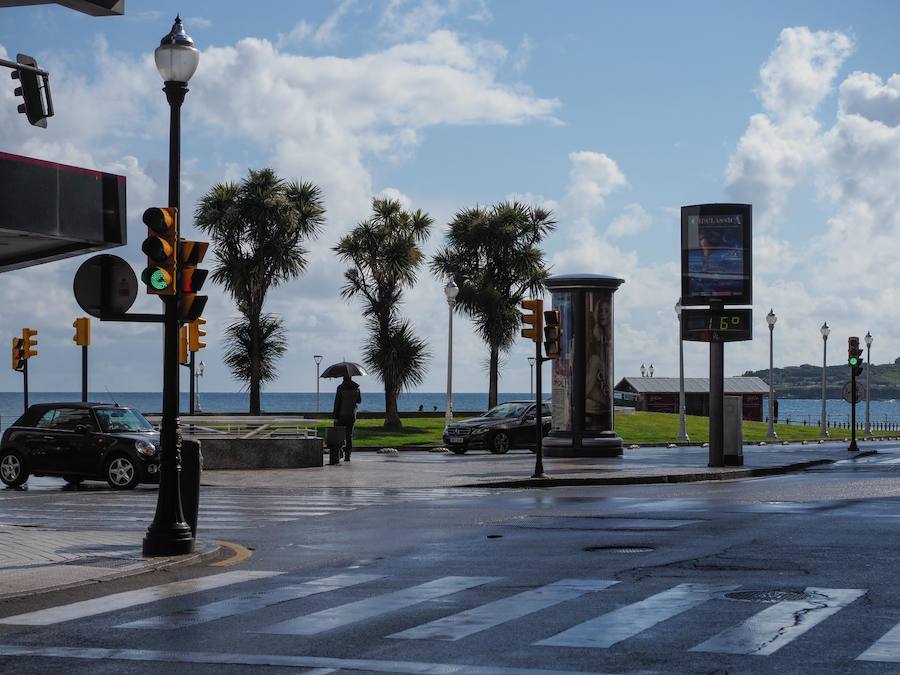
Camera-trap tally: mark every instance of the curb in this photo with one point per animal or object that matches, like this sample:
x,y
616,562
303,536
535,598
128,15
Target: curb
x,y
661,478
214,552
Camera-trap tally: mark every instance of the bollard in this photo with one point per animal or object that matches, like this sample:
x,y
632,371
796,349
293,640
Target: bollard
x,y
334,441
191,468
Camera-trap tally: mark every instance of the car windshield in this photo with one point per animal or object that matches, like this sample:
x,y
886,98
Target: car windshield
x,y
121,419
507,410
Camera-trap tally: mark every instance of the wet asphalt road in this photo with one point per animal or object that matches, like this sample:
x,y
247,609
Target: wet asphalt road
x,y
789,574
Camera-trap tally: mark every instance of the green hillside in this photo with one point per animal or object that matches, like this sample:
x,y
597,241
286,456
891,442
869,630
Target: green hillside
x,y
806,381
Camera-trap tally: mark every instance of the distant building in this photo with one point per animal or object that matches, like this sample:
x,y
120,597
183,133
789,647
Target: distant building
x,y
660,394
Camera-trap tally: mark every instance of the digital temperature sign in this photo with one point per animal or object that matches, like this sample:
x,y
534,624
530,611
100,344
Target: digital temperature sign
x,y
716,325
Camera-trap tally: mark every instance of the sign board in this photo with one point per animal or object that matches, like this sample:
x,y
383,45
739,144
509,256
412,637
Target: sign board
x,y
860,392
699,324
105,286
716,254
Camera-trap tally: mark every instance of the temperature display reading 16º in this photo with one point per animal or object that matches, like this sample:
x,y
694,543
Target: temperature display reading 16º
x,y
716,325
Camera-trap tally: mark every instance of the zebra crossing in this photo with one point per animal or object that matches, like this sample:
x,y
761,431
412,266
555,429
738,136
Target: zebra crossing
x,y
355,598
221,509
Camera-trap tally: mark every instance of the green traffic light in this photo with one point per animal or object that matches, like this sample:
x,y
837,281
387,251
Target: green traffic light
x,y
854,361
159,279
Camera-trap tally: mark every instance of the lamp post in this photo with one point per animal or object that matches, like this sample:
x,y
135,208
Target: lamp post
x,y
169,534
643,371
771,319
825,331
531,360
650,370
318,359
451,290
682,430
869,339
198,374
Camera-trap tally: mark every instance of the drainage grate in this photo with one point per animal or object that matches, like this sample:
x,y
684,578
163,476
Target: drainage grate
x,y
770,596
620,549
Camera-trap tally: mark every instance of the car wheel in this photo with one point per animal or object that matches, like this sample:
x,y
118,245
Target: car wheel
x,y
500,443
121,473
458,450
13,470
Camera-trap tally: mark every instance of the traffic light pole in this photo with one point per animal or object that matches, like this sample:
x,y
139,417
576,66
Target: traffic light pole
x,y
84,374
192,407
25,383
538,417
169,534
853,447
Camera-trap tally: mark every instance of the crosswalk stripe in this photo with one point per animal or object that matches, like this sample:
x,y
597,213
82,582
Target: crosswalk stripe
x,y
111,603
336,617
886,649
620,624
771,629
249,603
481,618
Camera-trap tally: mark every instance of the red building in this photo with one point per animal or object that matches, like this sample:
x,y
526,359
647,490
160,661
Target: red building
x,y
660,394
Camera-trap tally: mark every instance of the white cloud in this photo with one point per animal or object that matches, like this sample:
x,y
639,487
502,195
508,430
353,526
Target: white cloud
x,y
633,220
592,178
866,95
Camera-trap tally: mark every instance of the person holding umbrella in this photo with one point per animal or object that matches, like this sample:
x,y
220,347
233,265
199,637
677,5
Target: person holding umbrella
x,y
346,399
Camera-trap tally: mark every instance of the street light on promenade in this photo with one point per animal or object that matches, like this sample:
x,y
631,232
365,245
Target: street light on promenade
x,y
169,534
826,331
771,319
682,430
197,375
318,359
531,360
869,339
451,290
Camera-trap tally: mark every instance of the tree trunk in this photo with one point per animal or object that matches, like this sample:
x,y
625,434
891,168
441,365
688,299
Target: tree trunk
x,y
391,414
255,408
493,377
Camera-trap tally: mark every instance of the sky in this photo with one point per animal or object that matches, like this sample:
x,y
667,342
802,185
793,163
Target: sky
x,y
611,114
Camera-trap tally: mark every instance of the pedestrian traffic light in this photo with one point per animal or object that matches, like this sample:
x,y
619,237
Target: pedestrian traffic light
x,y
190,254
195,332
29,342
33,91
18,354
552,333
160,247
534,319
82,332
854,356
183,357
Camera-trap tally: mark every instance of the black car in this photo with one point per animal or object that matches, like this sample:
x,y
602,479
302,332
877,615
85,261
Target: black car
x,y
508,425
78,441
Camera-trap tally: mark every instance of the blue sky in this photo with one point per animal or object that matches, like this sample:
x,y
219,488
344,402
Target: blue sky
x,y
612,114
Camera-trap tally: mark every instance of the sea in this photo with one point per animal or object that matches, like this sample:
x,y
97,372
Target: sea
x,y
790,411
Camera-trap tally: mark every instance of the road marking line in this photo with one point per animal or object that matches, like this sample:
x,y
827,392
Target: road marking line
x,y
886,649
492,614
626,622
336,617
250,603
284,661
111,603
771,629
239,554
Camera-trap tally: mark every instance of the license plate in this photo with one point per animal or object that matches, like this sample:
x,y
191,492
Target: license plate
x,y
456,440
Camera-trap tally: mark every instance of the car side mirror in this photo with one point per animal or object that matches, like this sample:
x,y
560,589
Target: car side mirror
x,y
530,417
81,429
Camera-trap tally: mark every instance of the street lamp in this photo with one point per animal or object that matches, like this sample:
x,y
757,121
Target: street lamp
x,y
318,359
825,331
682,430
451,290
771,319
650,370
643,371
169,534
869,339
531,360
198,374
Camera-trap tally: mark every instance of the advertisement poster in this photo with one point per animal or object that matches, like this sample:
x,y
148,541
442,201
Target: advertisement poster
x,y
597,358
563,365
716,250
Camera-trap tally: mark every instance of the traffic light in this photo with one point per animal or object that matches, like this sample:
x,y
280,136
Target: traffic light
x,y
82,328
183,357
29,342
18,354
161,246
552,333
854,356
195,332
534,319
31,92
190,254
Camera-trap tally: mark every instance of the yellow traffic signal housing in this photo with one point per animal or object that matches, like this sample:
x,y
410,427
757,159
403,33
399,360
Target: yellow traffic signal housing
x,y
190,279
29,342
82,328
535,319
18,353
552,333
183,345
195,332
161,247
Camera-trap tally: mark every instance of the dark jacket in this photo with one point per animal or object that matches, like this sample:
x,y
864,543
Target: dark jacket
x,y
346,399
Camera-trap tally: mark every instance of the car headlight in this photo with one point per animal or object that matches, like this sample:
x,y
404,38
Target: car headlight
x,y
480,430
145,448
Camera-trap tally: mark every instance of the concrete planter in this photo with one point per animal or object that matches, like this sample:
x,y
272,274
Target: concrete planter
x,y
224,452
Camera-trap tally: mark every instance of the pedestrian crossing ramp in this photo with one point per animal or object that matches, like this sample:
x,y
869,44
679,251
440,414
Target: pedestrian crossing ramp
x,y
616,612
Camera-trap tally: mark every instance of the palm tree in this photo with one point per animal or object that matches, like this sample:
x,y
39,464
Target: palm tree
x,y
383,253
257,228
493,255
272,346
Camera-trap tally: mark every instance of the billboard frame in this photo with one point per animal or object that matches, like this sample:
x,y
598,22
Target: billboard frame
x,y
712,213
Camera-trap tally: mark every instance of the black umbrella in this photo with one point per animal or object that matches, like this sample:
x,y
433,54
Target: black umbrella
x,y
344,369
